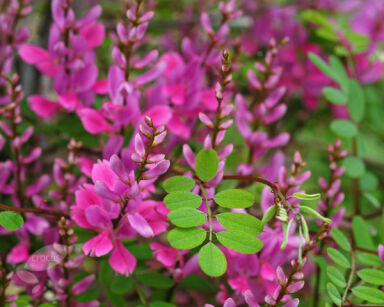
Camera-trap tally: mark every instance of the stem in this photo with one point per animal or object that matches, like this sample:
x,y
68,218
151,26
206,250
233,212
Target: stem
x,y
140,291
350,278
36,211
208,210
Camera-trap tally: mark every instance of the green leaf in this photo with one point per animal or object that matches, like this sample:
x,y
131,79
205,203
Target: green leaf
x,y
187,217
372,295
305,229
334,95
234,198
182,199
240,241
155,280
344,128
372,276
340,239
269,214
354,167
306,196
240,222
311,212
320,64
178,183
212,260
186,238
356,100
161,304
363,237
207,163
336,276
338,258
368,182
338,68
196,283
121,284
286,228
369,259
334,294
11,220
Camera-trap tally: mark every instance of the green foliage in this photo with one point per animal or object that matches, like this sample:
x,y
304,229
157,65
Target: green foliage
x,y
121,284
182,199
241,242
240,222
155,280
196,283
371,295
354,167
334,294
212,260
207,163
178,183
338,258
304,196
269,214
234,198
340,239
311,212
356,100
186,238
187,217
11,220
286,228
334,95
344,128
336,276
372,276
361,233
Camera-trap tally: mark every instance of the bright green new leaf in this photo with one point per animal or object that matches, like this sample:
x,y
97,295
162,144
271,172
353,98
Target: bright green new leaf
x,y
338,258
286,228
271,211
354,167
240,241
182,199
155,280
11,221
311,212
344,128
207,163
356,100
334,294
372,295
336,276
304,196
178,183
234,198
187,217
305,229
186,238
240,222
334,95
212,260
372,276
340,239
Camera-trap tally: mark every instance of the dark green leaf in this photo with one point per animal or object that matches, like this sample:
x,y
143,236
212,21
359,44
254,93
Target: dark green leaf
x,y
240,241
186,238
363,237
234,198
240,222
340,239
161,304
356,100
354,167
315,59
182,199
121,284
11,220
338,258
155,280
196,283
187,217
178,183
372,295
269,214
212,260
207,163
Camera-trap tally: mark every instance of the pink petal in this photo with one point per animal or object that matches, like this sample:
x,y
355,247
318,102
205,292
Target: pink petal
x,y
178,127
102,172
42,106
99,245
18,254
140,224
101,86
208,99
93,122
93,33
82,285
160,114
33,54
121,260
97,217
69,101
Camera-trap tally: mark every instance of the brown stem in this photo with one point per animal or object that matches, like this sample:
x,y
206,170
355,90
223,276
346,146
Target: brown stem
x,y
36,211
